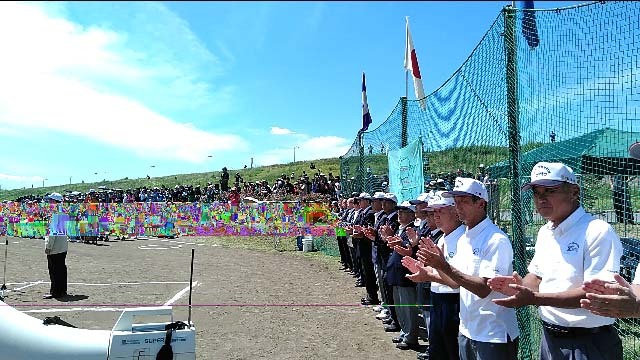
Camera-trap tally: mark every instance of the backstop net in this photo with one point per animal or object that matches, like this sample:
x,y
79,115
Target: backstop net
x,y
542,85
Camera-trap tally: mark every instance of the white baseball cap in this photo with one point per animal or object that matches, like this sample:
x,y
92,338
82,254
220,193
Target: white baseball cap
x,y
405,205
634,150
364,196
421,199
391,197
379,195
549,175
466,187
439,201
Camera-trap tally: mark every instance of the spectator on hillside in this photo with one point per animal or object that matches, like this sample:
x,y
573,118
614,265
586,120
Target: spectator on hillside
x,y
224,180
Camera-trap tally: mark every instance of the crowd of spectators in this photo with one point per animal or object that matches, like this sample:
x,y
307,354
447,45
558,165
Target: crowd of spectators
x,y
314,187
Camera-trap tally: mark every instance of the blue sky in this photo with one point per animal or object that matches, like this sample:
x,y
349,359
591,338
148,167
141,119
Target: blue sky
x,y
126,89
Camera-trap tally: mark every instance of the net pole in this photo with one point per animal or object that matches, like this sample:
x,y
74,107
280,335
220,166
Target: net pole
x,y
361,171
404,123
517,236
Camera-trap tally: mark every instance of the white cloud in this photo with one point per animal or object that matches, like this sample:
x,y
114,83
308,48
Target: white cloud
x,y
16,181
311,148
62,77
280,131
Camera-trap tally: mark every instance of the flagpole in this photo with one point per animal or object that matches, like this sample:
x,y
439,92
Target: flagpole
x,y
406,84
406,51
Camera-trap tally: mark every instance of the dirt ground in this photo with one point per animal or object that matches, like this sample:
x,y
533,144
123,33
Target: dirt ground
x,y
247,303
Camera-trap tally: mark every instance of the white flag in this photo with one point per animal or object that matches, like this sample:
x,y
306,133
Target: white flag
x,y
411,64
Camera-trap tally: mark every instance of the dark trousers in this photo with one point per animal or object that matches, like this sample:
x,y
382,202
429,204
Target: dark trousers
x,y
604,345
355,257
345,257
57,274
478,350
369,275
443,326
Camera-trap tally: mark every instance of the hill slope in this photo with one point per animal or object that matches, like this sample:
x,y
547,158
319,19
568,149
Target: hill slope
x,y
467,158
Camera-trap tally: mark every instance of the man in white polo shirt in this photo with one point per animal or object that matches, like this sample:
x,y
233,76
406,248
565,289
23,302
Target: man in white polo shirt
x,y
487,331
572,247
445,300
619,299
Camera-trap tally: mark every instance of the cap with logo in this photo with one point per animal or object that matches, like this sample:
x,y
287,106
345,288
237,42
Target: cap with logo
x,y
550,174
364,196
466,187
439,201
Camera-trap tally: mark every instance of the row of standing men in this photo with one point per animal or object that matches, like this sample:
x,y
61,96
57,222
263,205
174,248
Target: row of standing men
x,y
441,256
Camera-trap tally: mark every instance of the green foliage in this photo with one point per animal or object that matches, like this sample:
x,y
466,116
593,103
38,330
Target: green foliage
x,y
269,173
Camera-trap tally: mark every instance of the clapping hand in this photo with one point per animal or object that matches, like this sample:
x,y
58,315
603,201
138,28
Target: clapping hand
x,y
370,233
616,300
402,250
517,294
431,254
392,241
386,230
412,235
502,284
419,272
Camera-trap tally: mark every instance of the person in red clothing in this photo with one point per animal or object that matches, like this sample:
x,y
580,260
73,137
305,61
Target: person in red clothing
x,y
234,201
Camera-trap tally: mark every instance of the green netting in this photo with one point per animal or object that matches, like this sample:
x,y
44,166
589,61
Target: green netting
x,y
574,98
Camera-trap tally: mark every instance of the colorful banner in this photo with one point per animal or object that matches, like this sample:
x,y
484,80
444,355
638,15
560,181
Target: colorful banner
x,y
166,219
406,178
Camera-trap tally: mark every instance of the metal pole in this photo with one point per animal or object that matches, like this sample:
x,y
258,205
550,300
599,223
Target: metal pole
x,y
406,84
193,251
517,238
4,272
404,123
361,175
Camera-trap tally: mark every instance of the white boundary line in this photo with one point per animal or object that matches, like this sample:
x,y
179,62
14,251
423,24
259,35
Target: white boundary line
x,y
180,294
132,283
55,310
29,285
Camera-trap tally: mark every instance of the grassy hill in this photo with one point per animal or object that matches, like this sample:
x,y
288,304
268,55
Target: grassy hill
x,y
467,158
268,173
441,161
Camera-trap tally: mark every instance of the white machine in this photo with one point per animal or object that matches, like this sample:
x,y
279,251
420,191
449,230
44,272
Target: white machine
x,y
144,341
23,337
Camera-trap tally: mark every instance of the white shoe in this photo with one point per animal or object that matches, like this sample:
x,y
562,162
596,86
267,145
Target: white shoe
x,y
383,314
378,308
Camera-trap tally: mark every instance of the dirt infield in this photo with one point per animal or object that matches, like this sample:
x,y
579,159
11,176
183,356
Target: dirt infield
x,y
248,303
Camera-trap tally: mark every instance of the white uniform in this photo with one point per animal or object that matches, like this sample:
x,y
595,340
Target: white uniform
x,y
581,248
449,246
56,242
485,251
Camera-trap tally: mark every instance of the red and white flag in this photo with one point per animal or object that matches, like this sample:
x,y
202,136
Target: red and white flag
x,y
411,64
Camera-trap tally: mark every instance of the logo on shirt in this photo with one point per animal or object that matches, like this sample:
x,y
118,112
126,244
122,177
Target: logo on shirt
x,y
451,254
572,248
476,251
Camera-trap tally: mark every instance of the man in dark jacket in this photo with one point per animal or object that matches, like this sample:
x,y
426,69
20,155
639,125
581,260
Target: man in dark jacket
x,y
404,290
366,220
